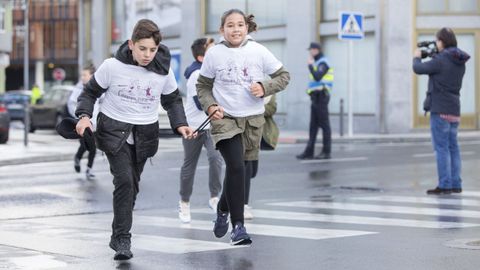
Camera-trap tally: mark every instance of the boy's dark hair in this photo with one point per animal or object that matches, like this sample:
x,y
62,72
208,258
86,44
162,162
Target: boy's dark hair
x,y
90,67
249,20
447,37
199,46
146,28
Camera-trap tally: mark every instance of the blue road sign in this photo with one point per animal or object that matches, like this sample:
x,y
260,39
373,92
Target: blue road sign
x,y
350,25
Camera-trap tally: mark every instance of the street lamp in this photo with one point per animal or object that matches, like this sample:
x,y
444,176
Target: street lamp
x,y
26,56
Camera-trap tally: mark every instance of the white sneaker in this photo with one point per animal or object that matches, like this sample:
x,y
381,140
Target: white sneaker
x,y
212,203
184,212
90,176
247,213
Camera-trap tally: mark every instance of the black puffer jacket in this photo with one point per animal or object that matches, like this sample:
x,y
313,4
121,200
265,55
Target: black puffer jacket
x,y
111,134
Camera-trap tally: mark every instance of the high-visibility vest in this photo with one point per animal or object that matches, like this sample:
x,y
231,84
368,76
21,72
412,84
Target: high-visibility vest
x,y
327,80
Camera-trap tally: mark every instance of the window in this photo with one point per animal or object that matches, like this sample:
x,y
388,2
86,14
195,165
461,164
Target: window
x,y
331,8
267,12
447,6
2,20
364,78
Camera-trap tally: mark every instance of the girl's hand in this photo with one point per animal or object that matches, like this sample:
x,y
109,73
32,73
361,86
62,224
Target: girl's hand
x,y
218,114
82,124
257,90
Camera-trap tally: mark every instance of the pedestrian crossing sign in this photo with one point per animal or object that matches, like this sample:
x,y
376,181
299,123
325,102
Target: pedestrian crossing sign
x,y
350,25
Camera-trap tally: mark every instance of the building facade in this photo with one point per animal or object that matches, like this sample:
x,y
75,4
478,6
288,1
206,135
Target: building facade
x,y
5,40
387,96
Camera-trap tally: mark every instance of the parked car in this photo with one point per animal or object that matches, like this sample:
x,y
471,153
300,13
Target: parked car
x,y
15,101
4,123
53,109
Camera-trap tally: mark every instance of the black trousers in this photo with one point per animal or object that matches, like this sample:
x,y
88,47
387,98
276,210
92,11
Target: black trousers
x,y
233,194
126,171
319,118
82,149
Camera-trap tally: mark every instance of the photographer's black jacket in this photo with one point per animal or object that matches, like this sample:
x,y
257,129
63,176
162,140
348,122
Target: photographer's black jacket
x,y
445,73
112,134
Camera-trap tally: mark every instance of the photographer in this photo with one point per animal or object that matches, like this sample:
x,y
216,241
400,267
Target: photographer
x,y
445,73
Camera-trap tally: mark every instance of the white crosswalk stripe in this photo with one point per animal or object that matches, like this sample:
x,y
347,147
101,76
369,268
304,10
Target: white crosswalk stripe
x,y
381,208
459,201
364,220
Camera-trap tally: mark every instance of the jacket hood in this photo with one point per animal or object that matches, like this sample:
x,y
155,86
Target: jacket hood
x,y
196,65
456,55
160,63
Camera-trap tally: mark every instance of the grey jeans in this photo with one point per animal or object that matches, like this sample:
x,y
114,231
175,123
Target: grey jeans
x,y
192,149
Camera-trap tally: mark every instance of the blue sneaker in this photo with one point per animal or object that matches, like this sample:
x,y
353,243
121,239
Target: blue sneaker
x,y
239,236
221,225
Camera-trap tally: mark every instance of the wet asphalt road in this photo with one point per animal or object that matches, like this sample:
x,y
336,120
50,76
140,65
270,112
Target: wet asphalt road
x,y
364,209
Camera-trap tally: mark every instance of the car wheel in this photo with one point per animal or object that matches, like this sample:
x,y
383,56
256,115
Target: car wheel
x,y
4,137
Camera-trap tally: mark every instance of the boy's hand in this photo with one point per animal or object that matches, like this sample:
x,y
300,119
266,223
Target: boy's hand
x,y
82,124
186,132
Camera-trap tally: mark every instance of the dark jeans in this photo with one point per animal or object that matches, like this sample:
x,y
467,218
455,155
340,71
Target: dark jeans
x,y
319,118
82,149
126,173
447,152
233,194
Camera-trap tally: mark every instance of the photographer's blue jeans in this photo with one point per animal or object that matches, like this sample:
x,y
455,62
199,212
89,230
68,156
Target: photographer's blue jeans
x,y
445,144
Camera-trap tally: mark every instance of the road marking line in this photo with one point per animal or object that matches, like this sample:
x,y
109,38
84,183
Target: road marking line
x,y
37,262
176,245
206,167
102,221
470,193
254,229
422,155
334,160
431,200
285,215
382,208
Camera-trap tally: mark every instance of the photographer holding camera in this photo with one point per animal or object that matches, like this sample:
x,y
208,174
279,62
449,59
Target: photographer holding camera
x,y
445,73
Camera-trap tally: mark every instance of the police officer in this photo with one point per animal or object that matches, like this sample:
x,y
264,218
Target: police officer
x,y
319,87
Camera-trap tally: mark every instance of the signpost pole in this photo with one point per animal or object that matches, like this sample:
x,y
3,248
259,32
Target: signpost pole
x,y
350,88
350,28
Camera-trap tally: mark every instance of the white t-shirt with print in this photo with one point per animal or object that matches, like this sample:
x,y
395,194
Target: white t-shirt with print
x,y
195,117
133,94
234,71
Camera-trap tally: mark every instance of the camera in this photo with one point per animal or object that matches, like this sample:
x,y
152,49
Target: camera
x,y
429,48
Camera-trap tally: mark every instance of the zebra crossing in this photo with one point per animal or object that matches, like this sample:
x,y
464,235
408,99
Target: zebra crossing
x,y
86,236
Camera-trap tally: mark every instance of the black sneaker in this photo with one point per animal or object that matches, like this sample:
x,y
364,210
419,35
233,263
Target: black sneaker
x,y
76,164
323,156
439,191
122,248
221,225
305,156
239,236
456,190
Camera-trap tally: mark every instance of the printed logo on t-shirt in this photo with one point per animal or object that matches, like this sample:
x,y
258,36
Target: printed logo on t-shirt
x,y
234,73
138,93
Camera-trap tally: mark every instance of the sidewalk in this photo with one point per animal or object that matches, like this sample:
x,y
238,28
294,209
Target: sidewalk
x,y
46,145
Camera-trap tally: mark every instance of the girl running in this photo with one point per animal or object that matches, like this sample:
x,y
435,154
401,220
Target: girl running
x,y
231,88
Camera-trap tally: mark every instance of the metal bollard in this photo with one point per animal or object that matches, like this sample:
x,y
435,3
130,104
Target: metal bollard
x,y
341,117
26,122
